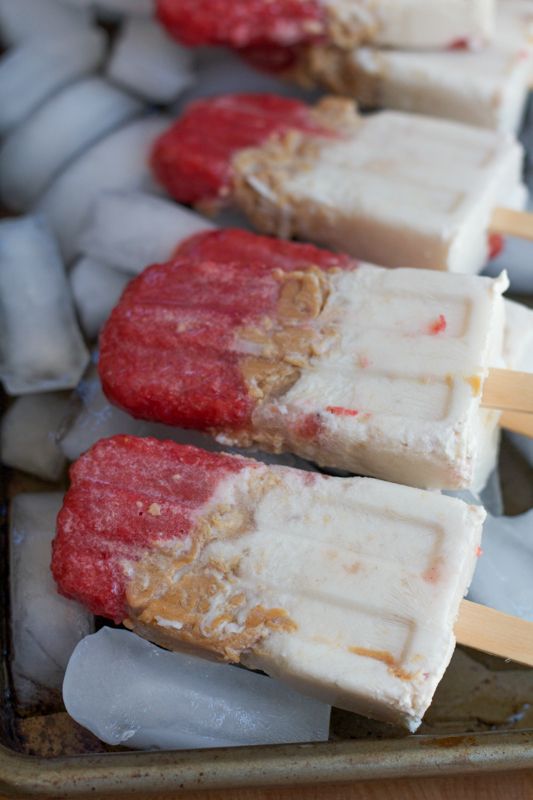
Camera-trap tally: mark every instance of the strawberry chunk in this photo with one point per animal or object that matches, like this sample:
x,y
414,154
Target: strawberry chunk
x,y
193,158
126,494
242,23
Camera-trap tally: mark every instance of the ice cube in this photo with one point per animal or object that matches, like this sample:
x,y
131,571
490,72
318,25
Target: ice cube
x,y
146,61
40,147
25,19
96,289
128,691
92,417
35,70
120,161
41,347
29,430
131,230
502,578
45,627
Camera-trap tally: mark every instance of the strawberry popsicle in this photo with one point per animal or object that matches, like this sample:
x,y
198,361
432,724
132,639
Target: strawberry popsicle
x,y
288,347
347,589
284,23
391,188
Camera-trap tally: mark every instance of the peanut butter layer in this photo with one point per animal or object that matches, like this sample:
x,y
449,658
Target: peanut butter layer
x,y
260,173
283,344
352,24
188,594
336,69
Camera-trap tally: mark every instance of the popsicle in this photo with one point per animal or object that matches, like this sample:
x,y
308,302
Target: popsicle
x,y
287,347
487,87
391,188
289,23
346,589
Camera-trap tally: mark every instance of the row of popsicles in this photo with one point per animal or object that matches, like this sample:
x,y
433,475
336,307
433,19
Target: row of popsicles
x,y
468,61
277,622
222,244
219,340
224,554
372,160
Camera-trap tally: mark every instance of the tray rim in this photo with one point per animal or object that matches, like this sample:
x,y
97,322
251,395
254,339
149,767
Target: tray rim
x,y
177,771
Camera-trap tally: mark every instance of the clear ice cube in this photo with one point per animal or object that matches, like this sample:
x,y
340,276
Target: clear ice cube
x,y
27,19
39,149
131,230
29,429
128,691
45,627
36,69
96,289
41,347
118,162
147,62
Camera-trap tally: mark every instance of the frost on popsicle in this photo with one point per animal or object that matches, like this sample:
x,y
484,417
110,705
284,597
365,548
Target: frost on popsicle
x,y
45,627
347,589
55,134
96,288
130,230
148,63
118,162
127,691
29,429
41,347
33,71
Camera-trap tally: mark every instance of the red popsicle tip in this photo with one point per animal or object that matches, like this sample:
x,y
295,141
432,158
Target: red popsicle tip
x,y
243,23
193,159
198,341
127,494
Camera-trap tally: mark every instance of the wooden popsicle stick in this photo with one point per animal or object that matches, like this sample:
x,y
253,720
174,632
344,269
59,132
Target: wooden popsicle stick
x,y
508,222
508,390
491,631
517,422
